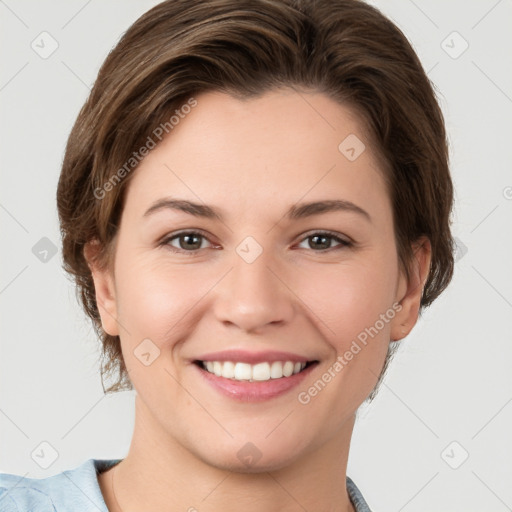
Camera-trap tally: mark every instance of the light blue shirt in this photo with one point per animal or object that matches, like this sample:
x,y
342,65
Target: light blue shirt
x,y
78,490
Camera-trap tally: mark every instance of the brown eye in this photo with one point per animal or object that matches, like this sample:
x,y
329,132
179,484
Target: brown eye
x,y
189,241
322,241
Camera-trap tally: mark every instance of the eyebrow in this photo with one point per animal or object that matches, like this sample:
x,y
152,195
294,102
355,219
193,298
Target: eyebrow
x,y
297,211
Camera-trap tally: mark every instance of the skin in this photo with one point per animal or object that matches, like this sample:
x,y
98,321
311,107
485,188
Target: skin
x,y
251,159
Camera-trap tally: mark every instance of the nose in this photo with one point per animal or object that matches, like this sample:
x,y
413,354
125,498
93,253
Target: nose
x,y
254,295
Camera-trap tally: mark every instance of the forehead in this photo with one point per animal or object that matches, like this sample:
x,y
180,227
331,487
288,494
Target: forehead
x,y
280,147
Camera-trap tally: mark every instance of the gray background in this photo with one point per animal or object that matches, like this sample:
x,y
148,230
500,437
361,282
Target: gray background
x,y
448,393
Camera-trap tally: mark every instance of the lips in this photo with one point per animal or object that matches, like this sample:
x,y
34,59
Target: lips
x,y
254,376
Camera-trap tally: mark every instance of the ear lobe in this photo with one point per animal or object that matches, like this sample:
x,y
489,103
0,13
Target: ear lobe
x,y
410,299
104,286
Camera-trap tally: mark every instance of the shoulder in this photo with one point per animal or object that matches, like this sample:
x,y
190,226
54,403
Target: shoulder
x,y
69,491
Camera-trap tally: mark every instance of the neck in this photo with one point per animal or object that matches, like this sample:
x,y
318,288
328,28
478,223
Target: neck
x,y
157,475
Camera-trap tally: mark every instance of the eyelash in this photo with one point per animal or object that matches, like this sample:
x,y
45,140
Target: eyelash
x,y
166,241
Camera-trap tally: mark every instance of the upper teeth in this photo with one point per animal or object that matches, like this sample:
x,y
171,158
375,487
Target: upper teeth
x,y
260,371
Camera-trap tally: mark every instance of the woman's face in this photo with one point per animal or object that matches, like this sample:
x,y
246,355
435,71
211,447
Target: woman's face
x,y
259,283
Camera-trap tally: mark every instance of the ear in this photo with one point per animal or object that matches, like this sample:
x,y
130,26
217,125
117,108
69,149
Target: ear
x,y
409,292
104,286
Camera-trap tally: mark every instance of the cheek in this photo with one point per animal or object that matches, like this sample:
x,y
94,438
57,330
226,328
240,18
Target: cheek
x,y
156,302
350,298
354,305
152,298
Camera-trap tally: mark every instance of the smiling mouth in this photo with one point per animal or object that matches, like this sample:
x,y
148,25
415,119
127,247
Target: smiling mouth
x,y
259,372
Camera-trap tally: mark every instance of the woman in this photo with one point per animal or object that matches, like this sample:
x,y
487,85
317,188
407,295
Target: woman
x,y
255,205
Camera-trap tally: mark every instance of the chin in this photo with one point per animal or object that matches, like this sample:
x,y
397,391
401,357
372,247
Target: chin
x,y
263,465
251,458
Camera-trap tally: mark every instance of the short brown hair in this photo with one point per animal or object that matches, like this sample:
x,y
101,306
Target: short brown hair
x,y
344,48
